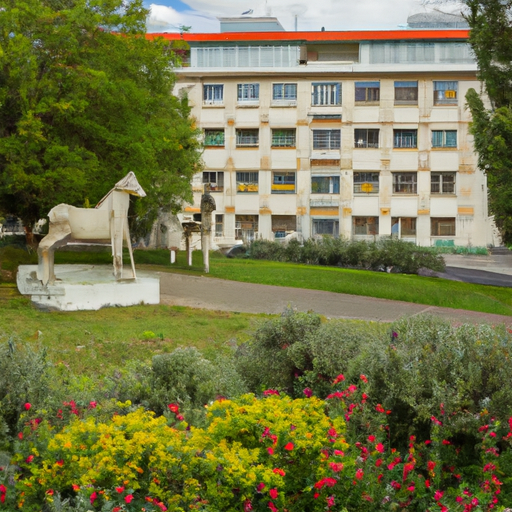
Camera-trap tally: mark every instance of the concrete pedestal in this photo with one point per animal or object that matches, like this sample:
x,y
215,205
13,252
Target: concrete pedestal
x,y
92,287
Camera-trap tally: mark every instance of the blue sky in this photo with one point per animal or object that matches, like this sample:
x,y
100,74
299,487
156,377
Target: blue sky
x,y
201,15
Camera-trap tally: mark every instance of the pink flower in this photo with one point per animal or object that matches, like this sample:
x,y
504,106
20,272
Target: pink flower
x,y
359,474
260,487
272,507
411,488
438,495
270,451
128,498
273,493
289,447
380,448
247,506
371,439
27,406
336,466
93,497
268,392
308,392
330,501
92,405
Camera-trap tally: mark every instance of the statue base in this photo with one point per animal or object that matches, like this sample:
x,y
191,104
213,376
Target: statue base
x,y
87,287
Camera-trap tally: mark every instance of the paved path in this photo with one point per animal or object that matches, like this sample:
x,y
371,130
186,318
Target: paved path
x,y
222,295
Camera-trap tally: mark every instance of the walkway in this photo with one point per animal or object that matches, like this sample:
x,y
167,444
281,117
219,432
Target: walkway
x,y
222,295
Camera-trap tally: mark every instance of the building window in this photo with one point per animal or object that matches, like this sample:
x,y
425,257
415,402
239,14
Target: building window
x,y
442,183
326,139
283,138
445,93
213,94
366,182
405,183
367,92
215,180
444,138
365,226
326,94
403,227
247,182
327,227
325,184
366,138
442,226
283,182
284,94
406,93
247,138
219,225
246,227
214,138
283,225
248,93
405,138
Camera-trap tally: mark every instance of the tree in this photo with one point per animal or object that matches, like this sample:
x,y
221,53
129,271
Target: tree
x,y
85,97
491,41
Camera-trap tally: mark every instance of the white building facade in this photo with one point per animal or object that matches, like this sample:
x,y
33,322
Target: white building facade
x,y
354,134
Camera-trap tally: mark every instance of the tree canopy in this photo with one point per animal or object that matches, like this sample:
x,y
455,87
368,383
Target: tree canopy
x,y
491,41
85,98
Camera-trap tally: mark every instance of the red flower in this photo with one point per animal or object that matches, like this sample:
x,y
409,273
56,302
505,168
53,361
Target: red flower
x,y
339,378
359,474
76,487
363,378
446,442
174,408
60,463
116,509
378,462
330,501
260,487
289,447
93,497
268,392
438,495
270,451
427,483
273,493
29,459
20,435
380,448
3,489
27,406
272,507
2,498
128,498
279,471
49,492
92,405
119,489
371,439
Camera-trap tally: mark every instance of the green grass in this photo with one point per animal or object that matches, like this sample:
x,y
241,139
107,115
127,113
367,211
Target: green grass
x,y
95,342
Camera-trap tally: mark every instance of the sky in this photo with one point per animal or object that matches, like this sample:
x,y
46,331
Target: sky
x,y
201,15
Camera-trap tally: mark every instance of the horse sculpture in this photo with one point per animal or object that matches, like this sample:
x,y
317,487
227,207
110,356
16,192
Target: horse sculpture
x,y
108,221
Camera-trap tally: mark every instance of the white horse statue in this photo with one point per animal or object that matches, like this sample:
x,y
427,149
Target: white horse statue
x,y
107,222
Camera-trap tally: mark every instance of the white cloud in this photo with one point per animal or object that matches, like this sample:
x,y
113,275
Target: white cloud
x,y
330,14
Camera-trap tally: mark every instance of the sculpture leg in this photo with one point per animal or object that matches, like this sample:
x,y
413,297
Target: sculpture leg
x,y
58,236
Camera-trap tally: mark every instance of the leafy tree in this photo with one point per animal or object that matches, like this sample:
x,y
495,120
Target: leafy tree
x,y
491,41
85,98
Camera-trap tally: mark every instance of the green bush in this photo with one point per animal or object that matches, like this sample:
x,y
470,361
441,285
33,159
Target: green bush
x,y
386,254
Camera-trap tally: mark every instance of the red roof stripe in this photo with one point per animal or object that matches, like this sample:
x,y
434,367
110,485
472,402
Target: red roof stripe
x,y
361,35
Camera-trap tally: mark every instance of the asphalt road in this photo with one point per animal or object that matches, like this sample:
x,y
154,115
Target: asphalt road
x,y
222,295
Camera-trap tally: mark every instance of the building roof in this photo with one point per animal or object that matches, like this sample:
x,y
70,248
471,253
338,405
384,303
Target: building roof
x,y
318,36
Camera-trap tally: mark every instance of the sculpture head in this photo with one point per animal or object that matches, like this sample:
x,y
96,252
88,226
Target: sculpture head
x,y
130,185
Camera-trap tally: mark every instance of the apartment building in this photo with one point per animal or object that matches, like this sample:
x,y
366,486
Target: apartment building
x,y
359,134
